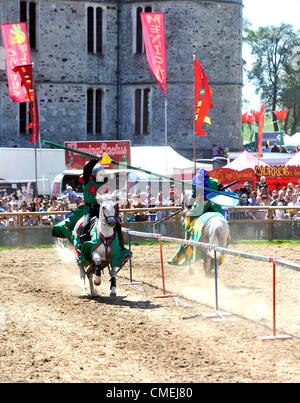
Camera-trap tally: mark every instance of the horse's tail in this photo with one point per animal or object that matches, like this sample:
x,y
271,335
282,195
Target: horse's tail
x,y
65,253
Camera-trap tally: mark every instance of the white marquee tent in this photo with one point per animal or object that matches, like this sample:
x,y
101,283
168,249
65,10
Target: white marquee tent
x,y
292,141
163,161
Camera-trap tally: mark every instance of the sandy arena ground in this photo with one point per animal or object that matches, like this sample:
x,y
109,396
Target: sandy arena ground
x,y
51,334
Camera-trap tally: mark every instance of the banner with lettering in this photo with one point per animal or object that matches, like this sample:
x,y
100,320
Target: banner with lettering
x,y
154,38
17,53
115,149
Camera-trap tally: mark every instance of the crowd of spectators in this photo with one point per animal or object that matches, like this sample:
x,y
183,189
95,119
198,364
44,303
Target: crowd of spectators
x,y
71,200
287,195
15,204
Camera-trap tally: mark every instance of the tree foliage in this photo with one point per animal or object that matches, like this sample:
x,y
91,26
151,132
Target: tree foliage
x,y
273,49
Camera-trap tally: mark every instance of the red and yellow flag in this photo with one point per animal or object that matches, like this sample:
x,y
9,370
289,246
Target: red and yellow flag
x,y
17,53
154,38
202,98
19,72
261,118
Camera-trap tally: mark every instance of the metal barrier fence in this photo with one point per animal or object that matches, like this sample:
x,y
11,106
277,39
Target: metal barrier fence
x,y
246,223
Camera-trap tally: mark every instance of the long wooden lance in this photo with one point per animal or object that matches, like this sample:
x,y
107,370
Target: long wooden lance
x,y
125,165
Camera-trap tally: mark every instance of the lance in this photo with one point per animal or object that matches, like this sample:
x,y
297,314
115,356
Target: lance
x,y
125,165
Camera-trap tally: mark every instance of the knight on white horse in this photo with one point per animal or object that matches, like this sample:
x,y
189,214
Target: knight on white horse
x,y
203,221
103,249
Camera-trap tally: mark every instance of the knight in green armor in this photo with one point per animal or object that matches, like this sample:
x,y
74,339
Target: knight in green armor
x,y
92,179
197,215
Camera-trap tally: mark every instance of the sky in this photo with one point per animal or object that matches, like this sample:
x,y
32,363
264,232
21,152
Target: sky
x,y
263,13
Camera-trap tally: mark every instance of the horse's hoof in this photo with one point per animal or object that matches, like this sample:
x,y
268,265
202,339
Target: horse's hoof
x,y
97,280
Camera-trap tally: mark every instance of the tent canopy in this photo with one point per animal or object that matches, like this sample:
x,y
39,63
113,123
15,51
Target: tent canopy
x,y
163,161
243,161
292,141
295,160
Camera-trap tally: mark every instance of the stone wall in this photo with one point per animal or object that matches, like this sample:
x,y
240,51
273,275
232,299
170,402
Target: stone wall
x,y
63,70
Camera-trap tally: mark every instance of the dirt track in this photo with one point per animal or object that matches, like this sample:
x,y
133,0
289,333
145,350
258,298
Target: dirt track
x,y
50,334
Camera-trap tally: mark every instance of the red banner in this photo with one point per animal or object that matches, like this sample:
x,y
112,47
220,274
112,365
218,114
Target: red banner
x,y
202,95
17,53
115,149
260,130
26,79
228,175
155,45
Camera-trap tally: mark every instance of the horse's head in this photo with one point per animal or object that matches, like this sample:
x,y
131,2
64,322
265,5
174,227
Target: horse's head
x,y
192,206
109,211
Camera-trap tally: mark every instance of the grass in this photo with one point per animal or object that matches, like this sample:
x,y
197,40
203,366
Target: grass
x,y
151,242
46,246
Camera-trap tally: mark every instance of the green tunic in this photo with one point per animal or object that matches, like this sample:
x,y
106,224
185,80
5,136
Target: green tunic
x,y
188,254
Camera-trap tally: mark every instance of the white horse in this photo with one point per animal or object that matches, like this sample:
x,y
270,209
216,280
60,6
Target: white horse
x,y
215,231
104,247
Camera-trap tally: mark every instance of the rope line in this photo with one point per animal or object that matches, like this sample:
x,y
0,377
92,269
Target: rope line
x,y
262,258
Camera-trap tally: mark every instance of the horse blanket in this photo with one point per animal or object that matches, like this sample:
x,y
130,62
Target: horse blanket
x,y
188,254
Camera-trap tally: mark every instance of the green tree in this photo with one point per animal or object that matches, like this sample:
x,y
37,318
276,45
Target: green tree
x,y
291,91
272,48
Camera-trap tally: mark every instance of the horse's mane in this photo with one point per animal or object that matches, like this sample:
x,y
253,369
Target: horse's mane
x,y
101,198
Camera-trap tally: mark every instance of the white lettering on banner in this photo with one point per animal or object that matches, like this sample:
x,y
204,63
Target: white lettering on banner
x,y
104,148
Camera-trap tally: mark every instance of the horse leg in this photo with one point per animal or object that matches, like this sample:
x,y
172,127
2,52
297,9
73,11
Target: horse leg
x,y
97,259
83,281
90,277
113,282
208,264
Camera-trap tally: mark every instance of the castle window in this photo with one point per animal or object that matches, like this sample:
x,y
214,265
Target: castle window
x,y
28,14
94,111
24,118
137,29
95,30
142,111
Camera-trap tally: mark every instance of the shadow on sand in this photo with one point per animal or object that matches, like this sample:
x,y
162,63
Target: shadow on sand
x,y
122,301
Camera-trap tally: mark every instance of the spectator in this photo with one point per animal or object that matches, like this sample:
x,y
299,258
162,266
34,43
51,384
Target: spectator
x,y
72,195
14,201
246,189
275,149
279,213
215,151
281,198
253,198
262,184
262,214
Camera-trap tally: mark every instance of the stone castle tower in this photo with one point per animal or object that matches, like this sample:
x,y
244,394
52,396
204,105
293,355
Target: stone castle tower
x,y
93,81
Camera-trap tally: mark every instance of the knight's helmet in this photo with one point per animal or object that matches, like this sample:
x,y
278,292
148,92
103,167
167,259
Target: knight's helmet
x,y
200,181
98,173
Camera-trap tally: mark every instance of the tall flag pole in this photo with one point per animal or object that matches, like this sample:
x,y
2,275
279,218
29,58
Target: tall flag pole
x,y
202,102
153,25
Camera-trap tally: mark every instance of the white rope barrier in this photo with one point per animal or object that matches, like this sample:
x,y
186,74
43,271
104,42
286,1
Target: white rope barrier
x,y
200,244
275,261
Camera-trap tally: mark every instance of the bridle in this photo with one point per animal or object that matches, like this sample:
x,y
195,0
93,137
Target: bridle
x,y
105,218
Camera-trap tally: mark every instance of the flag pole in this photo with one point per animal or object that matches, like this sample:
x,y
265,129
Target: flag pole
x,y
194,130
166,132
